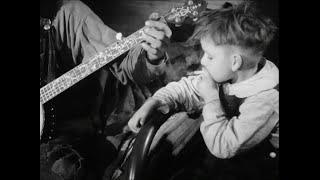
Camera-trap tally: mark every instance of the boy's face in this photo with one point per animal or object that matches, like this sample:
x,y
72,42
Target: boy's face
x,y
217,60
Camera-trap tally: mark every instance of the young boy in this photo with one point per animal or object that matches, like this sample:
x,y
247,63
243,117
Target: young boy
x,y
235,88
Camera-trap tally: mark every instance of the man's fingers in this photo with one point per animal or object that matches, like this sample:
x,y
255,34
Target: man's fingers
x,y
153,42
148,48
152,52
156,39
161,26
155,33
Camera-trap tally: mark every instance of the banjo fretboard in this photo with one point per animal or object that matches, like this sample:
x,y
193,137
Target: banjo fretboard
x,y
86,68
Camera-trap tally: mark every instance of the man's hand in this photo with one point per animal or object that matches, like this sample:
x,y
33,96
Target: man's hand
x,y
156,37
140,117
207,87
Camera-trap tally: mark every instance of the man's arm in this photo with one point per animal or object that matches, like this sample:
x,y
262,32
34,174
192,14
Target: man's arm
x,y
136,67
146,62
225,138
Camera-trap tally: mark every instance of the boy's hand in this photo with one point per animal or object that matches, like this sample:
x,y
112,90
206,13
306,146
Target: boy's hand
x,y
157,37
207,87
140,117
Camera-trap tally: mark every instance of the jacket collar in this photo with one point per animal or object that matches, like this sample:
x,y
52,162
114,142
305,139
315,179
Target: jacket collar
x,y
267,78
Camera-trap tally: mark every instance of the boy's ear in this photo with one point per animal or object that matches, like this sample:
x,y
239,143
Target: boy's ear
x,y
236,62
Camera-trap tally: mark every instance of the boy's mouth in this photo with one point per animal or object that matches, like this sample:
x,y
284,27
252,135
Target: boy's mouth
x,y
204,69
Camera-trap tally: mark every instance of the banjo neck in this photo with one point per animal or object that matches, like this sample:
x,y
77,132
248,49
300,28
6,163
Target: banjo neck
x,y
84,69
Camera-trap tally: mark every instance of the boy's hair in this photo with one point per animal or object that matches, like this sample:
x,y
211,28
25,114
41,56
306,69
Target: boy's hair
x,y
240,25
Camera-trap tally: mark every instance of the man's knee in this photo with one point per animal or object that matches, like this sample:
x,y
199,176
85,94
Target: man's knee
x,y
71,14
74,7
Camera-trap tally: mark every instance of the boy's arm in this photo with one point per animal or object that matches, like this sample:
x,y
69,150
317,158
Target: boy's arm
x,y
140,116
180,95
169,97
225,138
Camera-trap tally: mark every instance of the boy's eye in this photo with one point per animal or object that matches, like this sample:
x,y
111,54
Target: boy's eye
x,y
209,57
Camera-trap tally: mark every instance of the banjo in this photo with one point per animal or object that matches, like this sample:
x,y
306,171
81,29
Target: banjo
x,y
189,11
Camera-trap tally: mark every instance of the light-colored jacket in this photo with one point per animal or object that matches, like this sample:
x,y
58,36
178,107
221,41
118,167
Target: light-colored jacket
x,y
259,113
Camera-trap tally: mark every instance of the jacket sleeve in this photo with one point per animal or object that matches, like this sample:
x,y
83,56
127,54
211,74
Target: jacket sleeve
x,y
225,138
180,95
134,66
